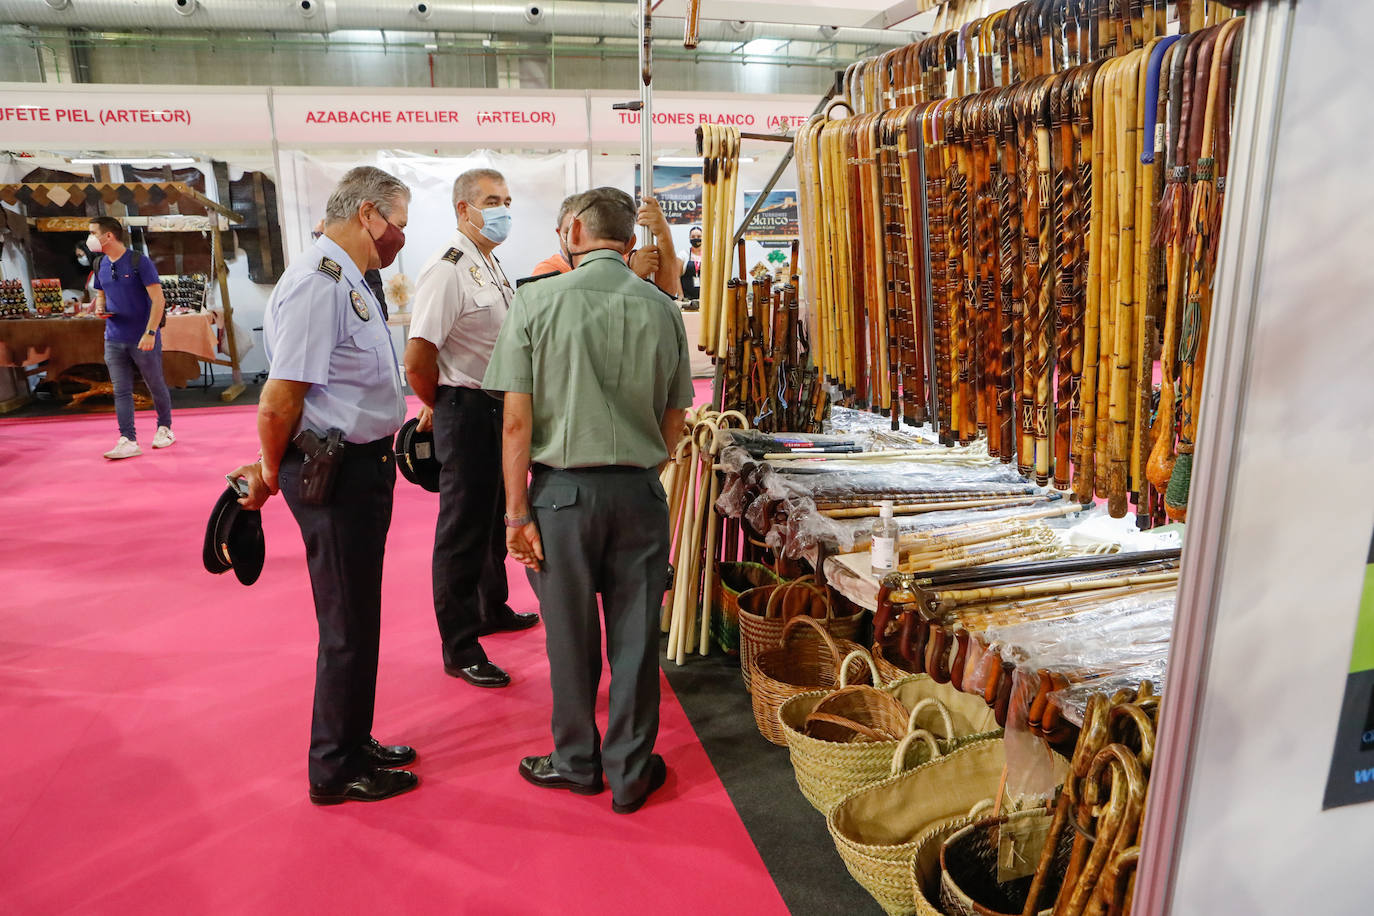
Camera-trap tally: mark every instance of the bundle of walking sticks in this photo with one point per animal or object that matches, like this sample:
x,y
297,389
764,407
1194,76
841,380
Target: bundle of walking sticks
x,y
767,376
698,533
1013,223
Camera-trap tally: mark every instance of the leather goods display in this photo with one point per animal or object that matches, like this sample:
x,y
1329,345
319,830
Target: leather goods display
x,y
991,241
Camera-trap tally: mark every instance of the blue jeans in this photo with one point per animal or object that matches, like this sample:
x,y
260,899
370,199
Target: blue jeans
x,y
121,358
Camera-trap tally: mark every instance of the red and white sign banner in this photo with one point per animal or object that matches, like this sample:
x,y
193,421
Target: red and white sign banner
x,y
394,119
97,118
677,116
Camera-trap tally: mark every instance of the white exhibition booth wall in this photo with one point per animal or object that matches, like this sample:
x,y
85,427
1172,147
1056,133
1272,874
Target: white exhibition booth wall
x,y
548,144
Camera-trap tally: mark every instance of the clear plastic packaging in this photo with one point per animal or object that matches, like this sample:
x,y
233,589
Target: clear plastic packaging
x,y
1121,637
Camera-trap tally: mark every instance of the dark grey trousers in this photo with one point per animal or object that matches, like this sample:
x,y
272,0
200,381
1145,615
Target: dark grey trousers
x,y
345,542
605,532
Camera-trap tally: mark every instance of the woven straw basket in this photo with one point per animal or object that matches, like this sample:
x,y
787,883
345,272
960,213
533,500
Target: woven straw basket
x,y
827,771
733,579
968,869
925,865
877,828
761,617
796,665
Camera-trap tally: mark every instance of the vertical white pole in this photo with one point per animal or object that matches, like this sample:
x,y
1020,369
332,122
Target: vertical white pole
x,y
646,110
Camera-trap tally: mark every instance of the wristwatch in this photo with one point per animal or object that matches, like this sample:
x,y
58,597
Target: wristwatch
x,y
150,333
518,522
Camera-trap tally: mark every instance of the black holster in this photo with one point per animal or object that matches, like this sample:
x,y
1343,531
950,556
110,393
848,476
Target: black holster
x,y
321,466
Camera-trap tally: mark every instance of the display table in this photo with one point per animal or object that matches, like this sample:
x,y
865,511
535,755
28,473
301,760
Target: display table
x,y
63,343
701,363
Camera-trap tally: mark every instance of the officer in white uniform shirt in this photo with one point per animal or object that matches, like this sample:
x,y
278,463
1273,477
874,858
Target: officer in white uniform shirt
x,y
461,300
334,377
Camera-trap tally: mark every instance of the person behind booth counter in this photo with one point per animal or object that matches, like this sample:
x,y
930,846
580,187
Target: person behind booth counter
x,y
657,263
128,292
691,271
596,372
461,300
327,417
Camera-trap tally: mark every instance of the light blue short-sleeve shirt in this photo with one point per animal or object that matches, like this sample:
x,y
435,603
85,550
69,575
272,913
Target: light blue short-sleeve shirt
x,y
323,327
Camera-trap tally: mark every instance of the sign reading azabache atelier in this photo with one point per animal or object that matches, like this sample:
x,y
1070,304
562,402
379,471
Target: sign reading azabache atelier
x,y
1351,780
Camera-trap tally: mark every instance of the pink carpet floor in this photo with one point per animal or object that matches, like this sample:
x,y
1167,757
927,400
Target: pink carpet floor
x,y
156,717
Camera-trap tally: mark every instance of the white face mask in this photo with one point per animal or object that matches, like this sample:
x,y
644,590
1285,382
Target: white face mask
x,y
93,243
83,260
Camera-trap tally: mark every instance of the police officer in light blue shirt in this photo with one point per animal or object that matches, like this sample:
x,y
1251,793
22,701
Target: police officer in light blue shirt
x,y
326,419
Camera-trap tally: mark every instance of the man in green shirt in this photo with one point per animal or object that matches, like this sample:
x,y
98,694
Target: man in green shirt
x,y
594,364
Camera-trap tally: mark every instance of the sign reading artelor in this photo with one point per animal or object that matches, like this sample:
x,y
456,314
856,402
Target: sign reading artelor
x,y
100,119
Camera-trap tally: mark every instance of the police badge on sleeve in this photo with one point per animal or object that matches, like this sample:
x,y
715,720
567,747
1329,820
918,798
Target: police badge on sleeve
x,y
359,306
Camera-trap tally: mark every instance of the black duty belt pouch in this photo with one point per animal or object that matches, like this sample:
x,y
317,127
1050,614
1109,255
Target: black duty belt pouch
x,y
320,470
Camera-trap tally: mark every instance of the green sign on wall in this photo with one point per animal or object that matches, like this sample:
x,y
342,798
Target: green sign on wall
x,y
1352,762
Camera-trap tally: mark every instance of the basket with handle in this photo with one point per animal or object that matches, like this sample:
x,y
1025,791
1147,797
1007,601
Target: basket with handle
x,y
969,884
858,712
763,611
827,771
796,665
876,829
890,663
732,580
925,865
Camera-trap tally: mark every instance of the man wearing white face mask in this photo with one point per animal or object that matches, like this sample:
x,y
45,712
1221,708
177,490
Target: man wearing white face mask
x,y
461,300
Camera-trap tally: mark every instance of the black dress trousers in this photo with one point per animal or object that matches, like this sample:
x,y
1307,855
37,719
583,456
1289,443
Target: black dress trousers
x,y
469,570
344,545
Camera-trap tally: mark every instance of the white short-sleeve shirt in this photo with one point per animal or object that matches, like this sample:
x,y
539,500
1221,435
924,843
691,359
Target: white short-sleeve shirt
x,y
461,301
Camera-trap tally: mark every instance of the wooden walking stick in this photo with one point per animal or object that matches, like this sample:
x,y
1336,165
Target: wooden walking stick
x,y
1040,111
1199,278
1125,89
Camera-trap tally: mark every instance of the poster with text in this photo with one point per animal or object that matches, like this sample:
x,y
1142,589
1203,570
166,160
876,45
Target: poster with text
x,y
776,224
1351,780
678,191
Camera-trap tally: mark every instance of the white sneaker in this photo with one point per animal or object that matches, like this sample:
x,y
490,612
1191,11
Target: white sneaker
x,y
163,438
124,448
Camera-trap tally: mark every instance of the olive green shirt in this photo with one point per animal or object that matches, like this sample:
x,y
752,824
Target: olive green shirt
x,y
604,355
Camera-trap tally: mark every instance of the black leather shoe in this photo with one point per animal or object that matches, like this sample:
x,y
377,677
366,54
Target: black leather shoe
x,y
540,771
658,775
482,674
388,756
508,623
371,786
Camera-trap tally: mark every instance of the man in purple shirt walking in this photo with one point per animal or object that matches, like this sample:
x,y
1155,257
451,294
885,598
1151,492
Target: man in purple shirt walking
x,y
128,292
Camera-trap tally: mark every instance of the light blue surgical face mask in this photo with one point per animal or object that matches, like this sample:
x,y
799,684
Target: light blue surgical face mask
x,y
496,224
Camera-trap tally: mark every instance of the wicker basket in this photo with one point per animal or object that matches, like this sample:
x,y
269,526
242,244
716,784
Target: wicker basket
x,y
733,579
925,865
968,869
876,829
796,666
890,664
826,772
761,617
857,713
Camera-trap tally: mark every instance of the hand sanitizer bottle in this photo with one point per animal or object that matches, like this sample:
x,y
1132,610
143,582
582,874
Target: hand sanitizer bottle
x,y
884,549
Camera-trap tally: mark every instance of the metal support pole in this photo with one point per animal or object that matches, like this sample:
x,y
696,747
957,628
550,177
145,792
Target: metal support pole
x,y
646,111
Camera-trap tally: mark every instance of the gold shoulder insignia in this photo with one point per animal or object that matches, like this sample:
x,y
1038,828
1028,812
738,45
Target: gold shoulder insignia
x,y
452,255
331,268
